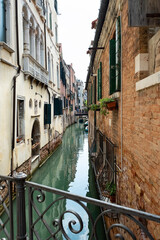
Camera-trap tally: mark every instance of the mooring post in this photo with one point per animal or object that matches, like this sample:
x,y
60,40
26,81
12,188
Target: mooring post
x,y
20,199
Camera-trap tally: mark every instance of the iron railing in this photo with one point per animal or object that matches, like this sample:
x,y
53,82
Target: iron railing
x,y
130,223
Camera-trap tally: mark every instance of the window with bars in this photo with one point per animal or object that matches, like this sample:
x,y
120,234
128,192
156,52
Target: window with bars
x,y
115,60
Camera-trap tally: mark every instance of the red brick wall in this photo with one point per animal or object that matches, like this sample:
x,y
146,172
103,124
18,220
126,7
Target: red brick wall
x,y
138,185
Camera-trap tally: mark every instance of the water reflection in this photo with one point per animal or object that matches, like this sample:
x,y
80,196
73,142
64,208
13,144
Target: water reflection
x,y
67,169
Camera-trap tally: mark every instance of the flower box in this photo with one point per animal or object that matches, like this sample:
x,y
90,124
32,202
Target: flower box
x,y
111,105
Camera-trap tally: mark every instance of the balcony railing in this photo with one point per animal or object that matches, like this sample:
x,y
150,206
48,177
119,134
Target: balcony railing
x,y
127,223
32,68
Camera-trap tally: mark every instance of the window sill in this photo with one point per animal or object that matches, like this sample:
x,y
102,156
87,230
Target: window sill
x,y
6,47
115,95
147,82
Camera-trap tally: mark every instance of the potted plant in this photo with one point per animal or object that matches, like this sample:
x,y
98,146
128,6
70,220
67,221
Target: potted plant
x,y
111,189
95,107
109,103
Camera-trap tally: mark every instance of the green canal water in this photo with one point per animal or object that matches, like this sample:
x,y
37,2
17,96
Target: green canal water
x,y
68,169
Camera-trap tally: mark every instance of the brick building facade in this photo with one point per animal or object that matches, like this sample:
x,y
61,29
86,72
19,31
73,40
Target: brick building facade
x,y
125,68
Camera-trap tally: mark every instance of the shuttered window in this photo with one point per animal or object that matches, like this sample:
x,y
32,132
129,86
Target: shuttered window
x,y
47,114
118,54
100,80
115,60
2,21
91,93
112,63
57,107
99,87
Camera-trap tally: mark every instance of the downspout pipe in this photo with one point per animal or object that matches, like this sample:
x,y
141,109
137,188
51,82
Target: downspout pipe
x,y
14,88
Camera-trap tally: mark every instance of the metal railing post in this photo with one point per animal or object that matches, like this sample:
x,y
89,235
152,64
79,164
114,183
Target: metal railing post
x,y
20,197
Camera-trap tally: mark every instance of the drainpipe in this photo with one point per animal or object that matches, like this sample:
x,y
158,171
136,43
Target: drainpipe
x,y
14,87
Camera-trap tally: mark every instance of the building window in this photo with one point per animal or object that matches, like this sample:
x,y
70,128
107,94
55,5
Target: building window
x,y
115,60
40,104
42,51
47,114
52,70
56,33
5,21
56,6
35,106
20,120
50,20
2,21
58,81
49,66
57,107
99,82
30,103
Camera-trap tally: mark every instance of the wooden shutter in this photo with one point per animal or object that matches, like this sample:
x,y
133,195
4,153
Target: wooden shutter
x,y
47,113
112,62
118,54
100,80
91,93
98,84
57,107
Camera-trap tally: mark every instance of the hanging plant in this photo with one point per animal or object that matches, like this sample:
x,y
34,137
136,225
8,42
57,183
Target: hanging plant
x,y
109,103
95,107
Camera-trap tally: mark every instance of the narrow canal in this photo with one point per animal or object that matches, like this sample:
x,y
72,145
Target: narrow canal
x,y
69,169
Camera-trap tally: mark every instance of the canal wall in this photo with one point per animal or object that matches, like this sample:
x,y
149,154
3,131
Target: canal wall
x,y
31,165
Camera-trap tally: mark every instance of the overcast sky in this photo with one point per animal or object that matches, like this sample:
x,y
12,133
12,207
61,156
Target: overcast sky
x,y
75,33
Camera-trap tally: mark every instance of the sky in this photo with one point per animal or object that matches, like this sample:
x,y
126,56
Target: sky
x,y
75,33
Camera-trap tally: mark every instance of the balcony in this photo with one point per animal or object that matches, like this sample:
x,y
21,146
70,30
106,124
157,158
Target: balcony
x,y
35,70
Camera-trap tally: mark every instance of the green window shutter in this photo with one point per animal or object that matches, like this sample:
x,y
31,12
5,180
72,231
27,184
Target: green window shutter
x,y
91,93
47,114
112,69
100,80
118,54
58,107
98,84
